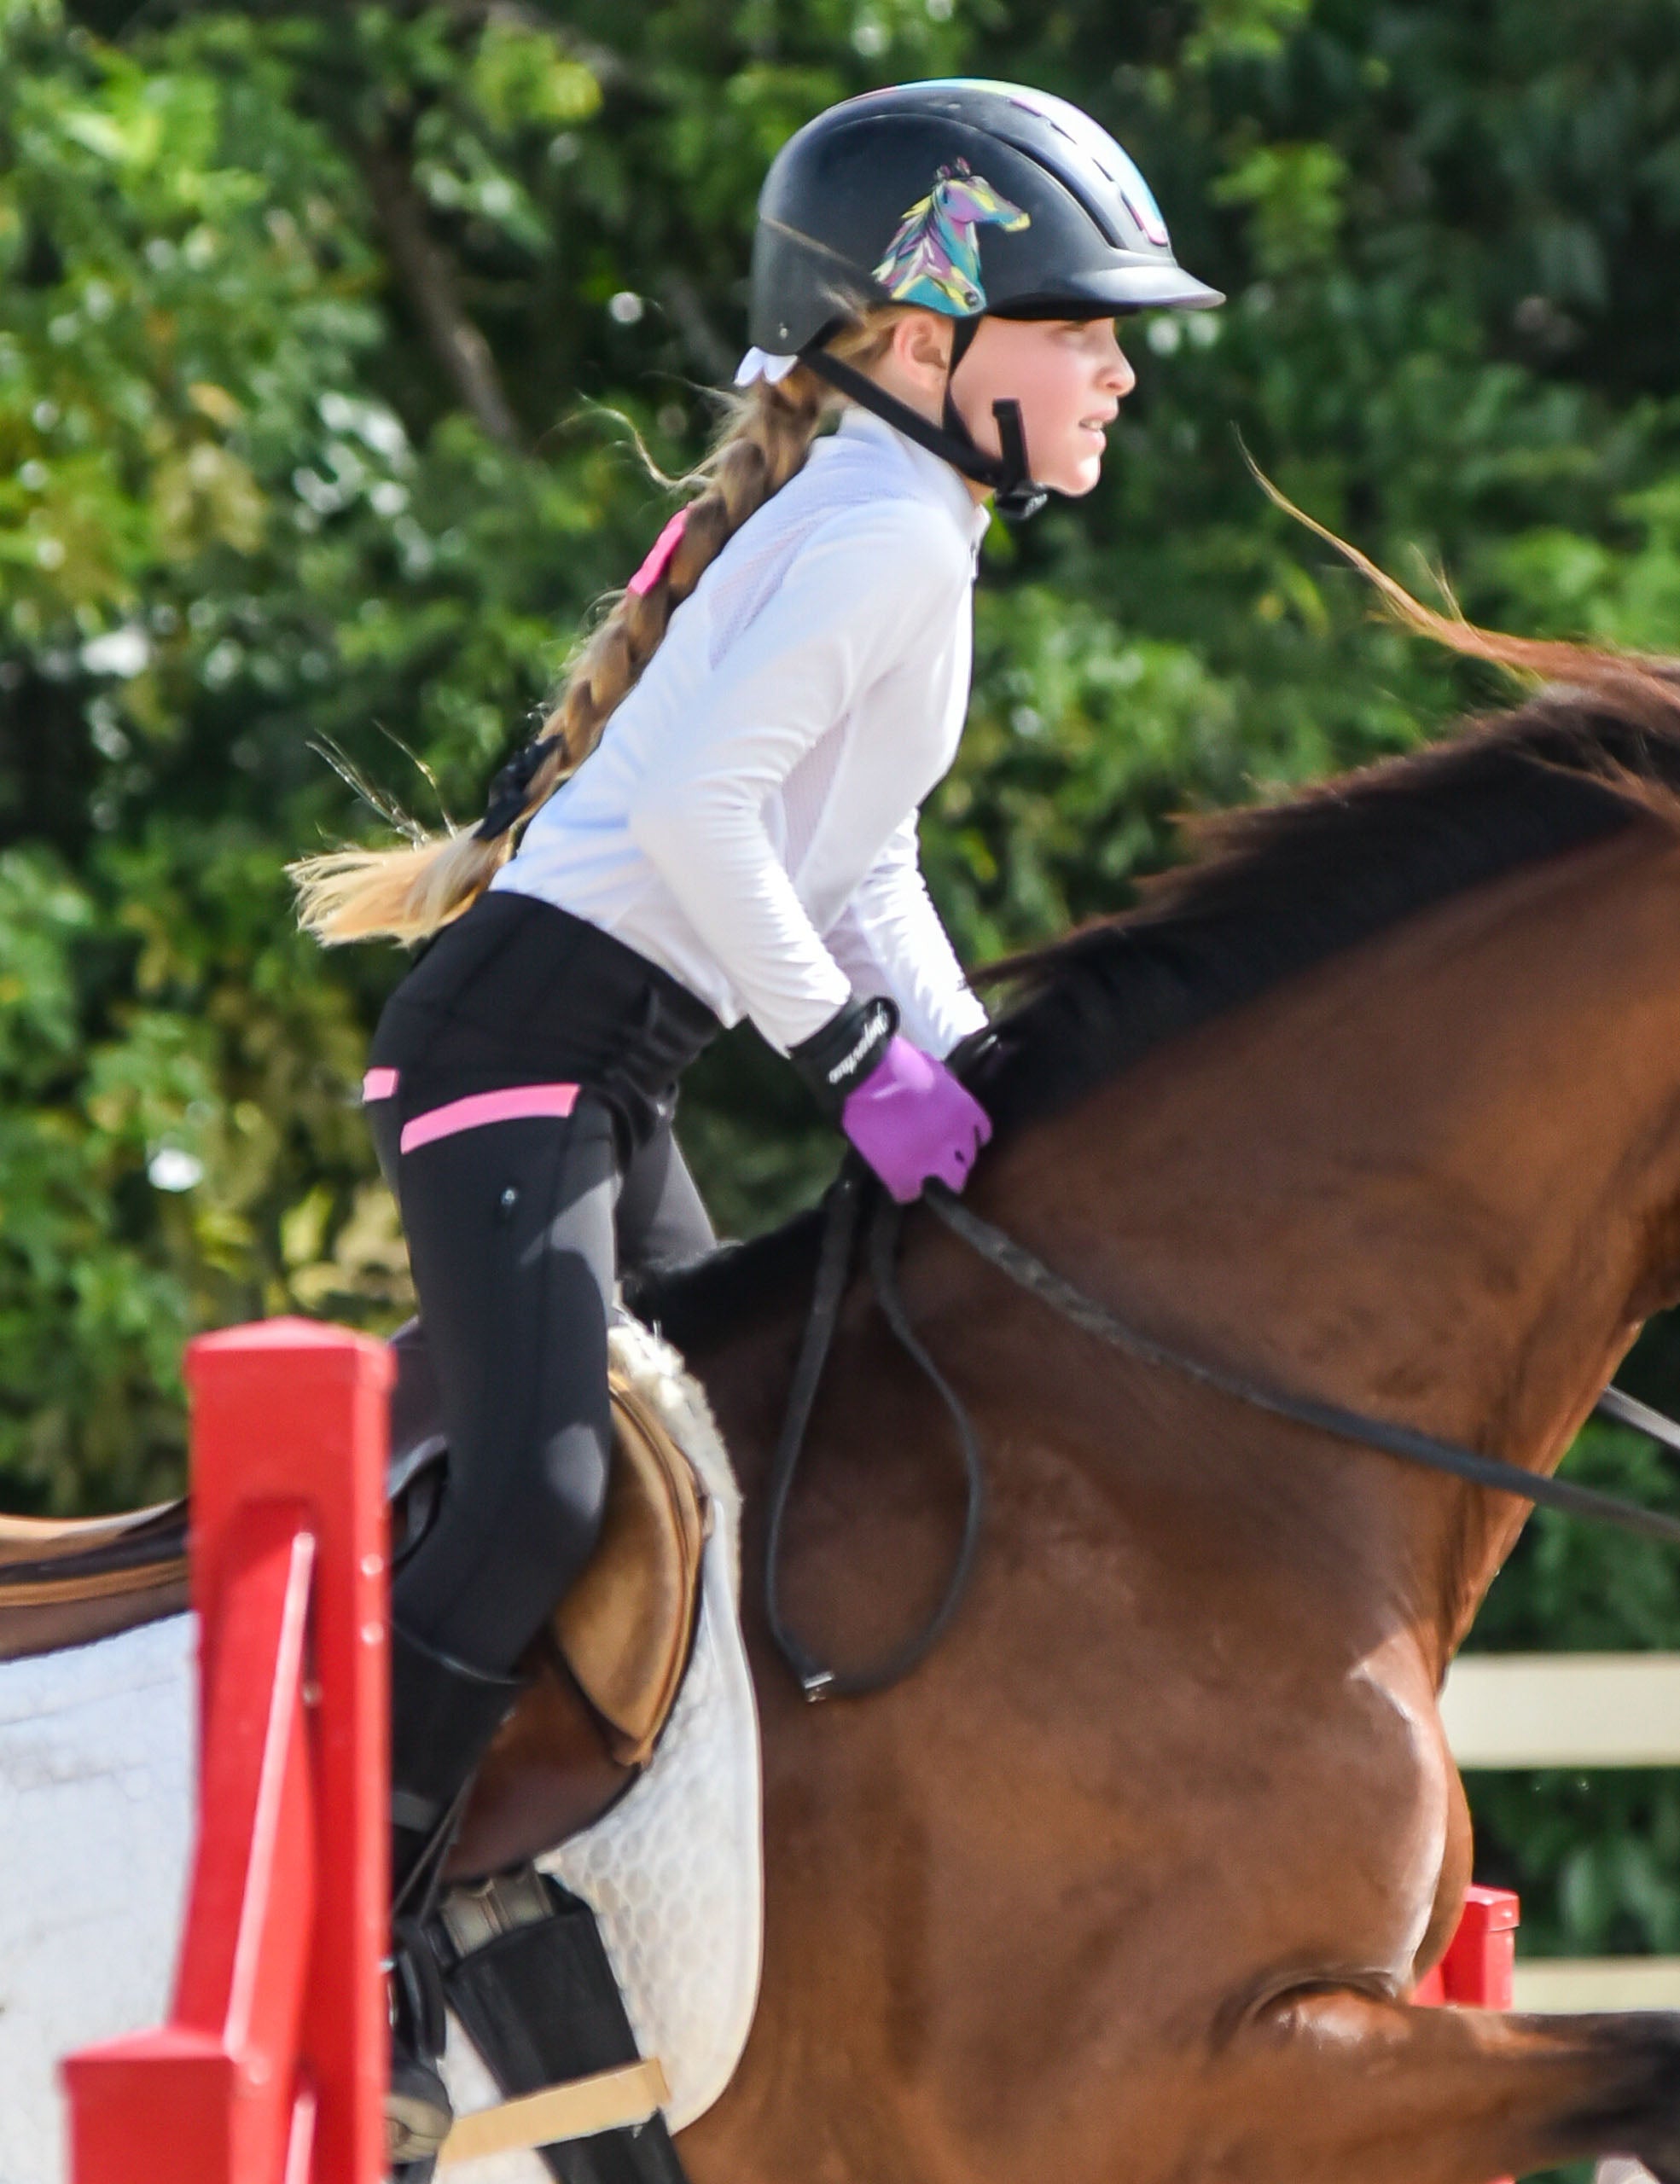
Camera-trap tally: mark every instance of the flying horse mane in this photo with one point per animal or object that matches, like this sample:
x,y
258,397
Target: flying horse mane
x,y
1271,890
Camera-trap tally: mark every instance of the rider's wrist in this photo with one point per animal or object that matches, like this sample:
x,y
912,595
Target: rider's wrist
x,y
835,1060
973,1055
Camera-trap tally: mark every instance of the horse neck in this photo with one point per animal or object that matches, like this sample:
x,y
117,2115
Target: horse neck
x,y
1436,1180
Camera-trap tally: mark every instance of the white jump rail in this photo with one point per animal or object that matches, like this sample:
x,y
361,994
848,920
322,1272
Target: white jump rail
x,y
1572,1710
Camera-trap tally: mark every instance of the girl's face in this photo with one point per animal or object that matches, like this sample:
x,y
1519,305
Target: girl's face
x,y
1070,377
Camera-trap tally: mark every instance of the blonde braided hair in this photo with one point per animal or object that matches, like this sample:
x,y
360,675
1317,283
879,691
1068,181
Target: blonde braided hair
x,y
404,894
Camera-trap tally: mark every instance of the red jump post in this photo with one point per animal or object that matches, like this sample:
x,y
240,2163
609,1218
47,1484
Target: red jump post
x,y
271,2069
1480,1967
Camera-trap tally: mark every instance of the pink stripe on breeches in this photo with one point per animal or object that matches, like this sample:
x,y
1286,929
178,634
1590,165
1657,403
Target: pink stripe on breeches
x,y
379,1084
518,1104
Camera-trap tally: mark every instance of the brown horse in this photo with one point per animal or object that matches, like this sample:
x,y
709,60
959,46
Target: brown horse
x,y
1380,1103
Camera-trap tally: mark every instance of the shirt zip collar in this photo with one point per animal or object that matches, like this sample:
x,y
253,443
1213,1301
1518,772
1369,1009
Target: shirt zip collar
x,y
938,480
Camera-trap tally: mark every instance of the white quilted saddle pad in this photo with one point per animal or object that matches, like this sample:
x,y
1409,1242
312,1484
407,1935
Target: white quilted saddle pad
x,y
674,1872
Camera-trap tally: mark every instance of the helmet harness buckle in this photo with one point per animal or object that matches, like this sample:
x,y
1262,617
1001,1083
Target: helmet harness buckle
x,y
1017,494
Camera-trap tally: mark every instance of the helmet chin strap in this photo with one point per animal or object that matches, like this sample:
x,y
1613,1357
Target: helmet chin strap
x,y
963,333
1016,495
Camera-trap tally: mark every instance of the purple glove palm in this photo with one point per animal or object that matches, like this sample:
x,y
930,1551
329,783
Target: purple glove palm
x,y
910,1119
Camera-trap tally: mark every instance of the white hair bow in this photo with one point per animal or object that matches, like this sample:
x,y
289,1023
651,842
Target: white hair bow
x,y
761,363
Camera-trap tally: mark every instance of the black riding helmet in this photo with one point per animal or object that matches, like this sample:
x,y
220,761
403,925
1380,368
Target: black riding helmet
x,y
966,196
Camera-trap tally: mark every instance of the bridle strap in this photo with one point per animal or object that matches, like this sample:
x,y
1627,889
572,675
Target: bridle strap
x,y
1627,1410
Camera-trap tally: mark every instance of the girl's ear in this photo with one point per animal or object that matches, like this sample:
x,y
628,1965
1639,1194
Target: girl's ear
x,y
921,344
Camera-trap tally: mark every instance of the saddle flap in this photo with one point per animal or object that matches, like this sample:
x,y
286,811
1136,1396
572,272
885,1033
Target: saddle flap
x,y
626,1626
68,1581
53,1539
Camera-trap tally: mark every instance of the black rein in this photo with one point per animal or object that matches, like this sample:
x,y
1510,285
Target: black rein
x,y
842,1211
833,1271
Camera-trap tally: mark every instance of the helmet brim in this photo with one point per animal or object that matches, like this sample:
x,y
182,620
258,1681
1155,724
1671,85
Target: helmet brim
x,y
1137,286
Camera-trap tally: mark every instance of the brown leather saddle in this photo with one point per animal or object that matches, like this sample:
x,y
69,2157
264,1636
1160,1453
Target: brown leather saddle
x,y
605,1675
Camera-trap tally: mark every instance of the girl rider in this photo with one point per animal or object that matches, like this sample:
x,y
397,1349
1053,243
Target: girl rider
x,y
781,685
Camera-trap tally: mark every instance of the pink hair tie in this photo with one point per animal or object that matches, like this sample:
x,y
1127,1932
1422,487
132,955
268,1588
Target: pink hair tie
x,y
659,559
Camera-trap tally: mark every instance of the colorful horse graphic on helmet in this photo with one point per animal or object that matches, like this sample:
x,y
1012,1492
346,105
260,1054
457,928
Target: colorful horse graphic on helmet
x,y
934,258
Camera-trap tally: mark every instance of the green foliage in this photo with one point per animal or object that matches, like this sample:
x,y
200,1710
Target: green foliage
x,y
322,336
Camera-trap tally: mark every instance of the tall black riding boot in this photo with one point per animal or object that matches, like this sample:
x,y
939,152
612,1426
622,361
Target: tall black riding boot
x,y
444,1714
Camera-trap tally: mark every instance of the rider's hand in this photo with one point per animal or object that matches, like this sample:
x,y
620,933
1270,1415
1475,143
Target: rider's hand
x,y
904,1110
911,1120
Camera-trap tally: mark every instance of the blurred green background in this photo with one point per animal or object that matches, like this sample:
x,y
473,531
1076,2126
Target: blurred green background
x,y
323,330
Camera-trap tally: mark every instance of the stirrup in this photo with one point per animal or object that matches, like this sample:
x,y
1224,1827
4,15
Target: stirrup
x,y
418,2110
418,2118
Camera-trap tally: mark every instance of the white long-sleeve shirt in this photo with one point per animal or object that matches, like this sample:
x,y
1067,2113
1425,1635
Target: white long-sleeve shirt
x,y
747,820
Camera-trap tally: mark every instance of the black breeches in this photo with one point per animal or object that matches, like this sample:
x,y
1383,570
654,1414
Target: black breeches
x,y
516,1228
